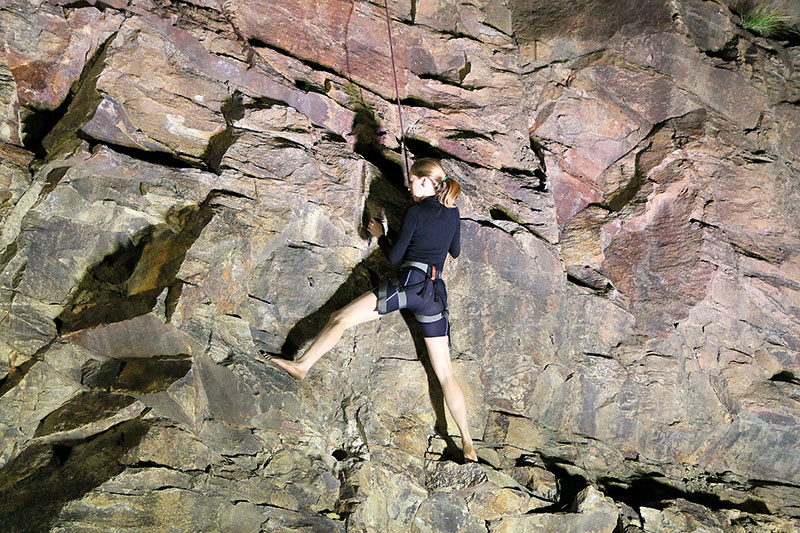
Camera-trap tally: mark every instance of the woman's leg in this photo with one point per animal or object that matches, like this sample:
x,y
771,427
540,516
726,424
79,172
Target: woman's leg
x,y
362,309
439,352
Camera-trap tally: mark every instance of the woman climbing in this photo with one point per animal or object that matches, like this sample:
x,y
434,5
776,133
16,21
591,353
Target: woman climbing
x,y
431,229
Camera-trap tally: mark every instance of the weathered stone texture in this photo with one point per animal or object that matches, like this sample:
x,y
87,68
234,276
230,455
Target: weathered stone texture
x,y
184,188
594,513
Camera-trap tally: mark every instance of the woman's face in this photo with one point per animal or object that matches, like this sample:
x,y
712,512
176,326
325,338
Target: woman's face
x,y
421,186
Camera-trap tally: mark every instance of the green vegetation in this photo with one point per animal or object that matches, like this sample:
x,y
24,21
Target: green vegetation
x,y
366,123
359,104
765,20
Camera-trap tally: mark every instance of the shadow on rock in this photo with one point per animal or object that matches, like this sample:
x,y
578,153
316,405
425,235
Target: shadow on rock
x,y
127,281
82,444
35,486
363,277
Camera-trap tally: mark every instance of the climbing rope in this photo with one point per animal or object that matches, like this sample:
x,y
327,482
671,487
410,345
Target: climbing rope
x,y
397,94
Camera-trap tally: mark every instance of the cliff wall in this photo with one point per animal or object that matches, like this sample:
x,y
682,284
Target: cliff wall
x,y
184,187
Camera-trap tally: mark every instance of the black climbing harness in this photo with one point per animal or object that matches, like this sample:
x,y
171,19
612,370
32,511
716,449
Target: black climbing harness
x,y
431,274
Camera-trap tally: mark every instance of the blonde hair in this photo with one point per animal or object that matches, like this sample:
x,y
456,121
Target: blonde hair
x,y
447,189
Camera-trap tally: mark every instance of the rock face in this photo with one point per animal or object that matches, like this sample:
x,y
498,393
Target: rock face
x,y
184,187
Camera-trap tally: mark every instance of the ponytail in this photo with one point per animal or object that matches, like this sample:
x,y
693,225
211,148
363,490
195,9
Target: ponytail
x,y
447,189
450,189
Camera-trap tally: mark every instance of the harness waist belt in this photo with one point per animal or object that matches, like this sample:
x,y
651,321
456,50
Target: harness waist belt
x,y
430,270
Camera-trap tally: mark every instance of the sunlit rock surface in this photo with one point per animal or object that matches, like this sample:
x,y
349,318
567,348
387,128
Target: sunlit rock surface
x,y
184,188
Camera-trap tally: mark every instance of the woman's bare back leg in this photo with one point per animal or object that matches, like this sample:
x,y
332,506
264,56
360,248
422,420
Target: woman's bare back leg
x,y
439,352
362,309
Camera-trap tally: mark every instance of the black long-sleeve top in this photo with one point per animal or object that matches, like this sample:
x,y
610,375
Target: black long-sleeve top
x,y
430,230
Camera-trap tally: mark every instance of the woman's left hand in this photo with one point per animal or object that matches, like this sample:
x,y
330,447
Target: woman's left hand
x,y
375,228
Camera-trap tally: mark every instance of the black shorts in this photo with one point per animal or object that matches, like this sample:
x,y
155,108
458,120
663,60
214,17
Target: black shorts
x,y
429,299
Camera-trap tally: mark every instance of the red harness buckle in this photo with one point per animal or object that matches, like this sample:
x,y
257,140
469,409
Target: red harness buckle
x,y
433,272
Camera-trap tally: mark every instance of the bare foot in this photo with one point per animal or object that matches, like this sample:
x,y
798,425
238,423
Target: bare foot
x,y
290,367
469,453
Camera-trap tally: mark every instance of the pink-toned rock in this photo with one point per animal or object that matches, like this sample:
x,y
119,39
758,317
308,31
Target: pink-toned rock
x,y
359,33
571,194
363,56
188,120
595,132
655,99
151,101
47,49
586,137
726,92
788,124
664,281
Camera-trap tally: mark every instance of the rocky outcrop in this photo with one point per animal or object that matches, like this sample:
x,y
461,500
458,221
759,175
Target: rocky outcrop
x,y
184,187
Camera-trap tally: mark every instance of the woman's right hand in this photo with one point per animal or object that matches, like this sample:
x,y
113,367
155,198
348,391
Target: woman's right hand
x,y
375,228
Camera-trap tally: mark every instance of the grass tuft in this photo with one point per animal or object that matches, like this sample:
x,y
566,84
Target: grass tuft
x,y
765,20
